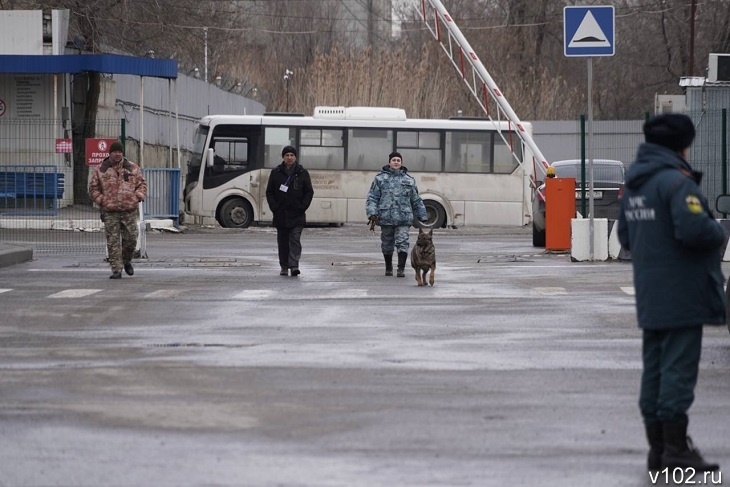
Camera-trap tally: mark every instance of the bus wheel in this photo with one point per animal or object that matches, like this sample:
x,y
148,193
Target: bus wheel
x,y
236,213
436,214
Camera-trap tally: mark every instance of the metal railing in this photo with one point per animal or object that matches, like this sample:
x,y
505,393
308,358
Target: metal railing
x,y
163,193
78,228
30,189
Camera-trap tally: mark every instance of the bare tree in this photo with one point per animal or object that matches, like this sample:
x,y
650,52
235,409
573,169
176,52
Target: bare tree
x,y
341,51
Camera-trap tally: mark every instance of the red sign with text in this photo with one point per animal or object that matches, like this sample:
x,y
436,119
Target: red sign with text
x,y
97,150
64,146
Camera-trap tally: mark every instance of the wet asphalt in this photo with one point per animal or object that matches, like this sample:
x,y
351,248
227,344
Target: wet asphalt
x,y
207,368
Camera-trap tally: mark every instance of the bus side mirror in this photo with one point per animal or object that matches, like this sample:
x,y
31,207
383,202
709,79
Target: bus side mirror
x,y
209,159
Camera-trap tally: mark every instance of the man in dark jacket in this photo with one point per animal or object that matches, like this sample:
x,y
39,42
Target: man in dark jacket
x,y
289,194
675,245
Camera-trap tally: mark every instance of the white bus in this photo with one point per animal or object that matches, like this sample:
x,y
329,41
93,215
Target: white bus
x,y
467,172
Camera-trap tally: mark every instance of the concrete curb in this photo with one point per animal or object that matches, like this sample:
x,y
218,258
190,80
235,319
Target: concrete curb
x,y
13,254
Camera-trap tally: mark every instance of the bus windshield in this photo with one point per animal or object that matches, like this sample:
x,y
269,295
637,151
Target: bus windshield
x,y
201,134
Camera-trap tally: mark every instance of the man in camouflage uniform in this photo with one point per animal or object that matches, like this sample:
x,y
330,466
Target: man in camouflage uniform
x,y
117,186
392,201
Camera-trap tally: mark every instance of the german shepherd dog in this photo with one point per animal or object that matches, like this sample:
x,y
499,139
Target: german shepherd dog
x,y
423,257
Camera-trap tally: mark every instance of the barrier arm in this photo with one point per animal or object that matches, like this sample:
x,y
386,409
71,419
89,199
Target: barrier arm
x,y
479,81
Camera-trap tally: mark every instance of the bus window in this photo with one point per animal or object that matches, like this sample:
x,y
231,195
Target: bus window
x,y
275,139
504,160
230,155
368,149
322,148
468,151
421,150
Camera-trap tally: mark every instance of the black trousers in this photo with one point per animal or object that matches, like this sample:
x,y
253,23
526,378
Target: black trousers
x,y
290,246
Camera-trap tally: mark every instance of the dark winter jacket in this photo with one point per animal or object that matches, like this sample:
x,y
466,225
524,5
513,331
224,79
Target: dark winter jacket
x,y
675,243
289,206
393,198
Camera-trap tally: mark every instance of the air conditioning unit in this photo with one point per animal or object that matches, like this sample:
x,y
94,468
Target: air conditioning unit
x,y
719,67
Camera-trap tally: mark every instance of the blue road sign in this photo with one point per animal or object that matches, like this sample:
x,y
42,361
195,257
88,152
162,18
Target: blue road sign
x,y
589,31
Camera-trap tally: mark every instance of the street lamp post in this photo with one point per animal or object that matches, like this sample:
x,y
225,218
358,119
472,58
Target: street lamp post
x,y
205,43
287,76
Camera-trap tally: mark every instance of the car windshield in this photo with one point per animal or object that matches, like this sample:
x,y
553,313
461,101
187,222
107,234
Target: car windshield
x,y
602,173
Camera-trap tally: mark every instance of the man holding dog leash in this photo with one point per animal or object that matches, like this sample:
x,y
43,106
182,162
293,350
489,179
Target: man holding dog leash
x,y
392,201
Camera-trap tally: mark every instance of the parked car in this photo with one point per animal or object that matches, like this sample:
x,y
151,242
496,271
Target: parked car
x,y
722,204
608,187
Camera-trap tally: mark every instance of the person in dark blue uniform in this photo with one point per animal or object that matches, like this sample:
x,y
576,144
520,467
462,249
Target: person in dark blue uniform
x,y
675,246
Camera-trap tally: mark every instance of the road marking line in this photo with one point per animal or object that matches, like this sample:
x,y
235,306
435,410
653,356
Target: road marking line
x,y
350,294
74,293
254,294
629,290
95,269
550,291
162,294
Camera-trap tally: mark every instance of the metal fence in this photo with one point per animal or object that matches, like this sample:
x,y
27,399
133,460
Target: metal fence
x,y
30,190
612,139
78,228
163,193
708,153
44,202
620,139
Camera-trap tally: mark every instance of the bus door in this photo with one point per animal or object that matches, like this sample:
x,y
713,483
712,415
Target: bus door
x,y
234,160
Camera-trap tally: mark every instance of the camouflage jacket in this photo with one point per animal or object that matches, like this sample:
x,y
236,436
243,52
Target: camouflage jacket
x,y
393,198
118,187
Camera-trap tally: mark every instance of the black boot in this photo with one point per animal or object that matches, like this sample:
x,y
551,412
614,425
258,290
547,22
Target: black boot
x,y
679,452
402,257
655,436
388,264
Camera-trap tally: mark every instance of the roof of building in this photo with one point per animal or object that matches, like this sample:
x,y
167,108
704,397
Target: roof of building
x,y
700,81
79,63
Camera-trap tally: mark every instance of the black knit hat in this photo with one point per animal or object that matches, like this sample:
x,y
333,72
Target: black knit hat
x,y
116,146
394,154
288,150
672,130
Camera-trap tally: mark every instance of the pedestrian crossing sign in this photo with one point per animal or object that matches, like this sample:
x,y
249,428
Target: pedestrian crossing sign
x,y
589,31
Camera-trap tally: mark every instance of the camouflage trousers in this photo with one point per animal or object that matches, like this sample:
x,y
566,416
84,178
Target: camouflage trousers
x,y
122,233
394,237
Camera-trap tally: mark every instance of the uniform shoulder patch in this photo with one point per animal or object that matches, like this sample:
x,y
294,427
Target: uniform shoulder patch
x,y
693,204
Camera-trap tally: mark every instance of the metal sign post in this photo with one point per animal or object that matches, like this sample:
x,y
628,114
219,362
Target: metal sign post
x,y
589,32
